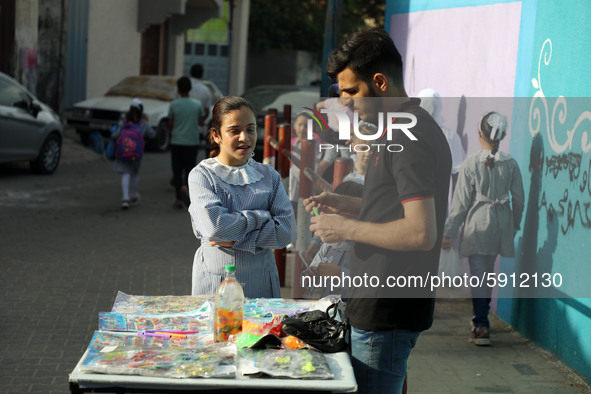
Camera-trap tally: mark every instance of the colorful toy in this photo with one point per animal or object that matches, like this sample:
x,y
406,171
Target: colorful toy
x,y
226,323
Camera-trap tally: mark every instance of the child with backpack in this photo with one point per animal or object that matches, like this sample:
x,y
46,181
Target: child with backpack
x,y
129,150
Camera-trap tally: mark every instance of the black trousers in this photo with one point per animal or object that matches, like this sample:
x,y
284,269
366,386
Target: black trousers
x,y
183,159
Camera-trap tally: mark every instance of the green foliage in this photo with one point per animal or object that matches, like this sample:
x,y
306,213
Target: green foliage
x,y
289,24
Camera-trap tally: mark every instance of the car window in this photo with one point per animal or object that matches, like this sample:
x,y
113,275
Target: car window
x,y
12,96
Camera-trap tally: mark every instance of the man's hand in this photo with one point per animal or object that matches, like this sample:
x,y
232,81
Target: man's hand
x,y
228,244
334,203
446,243
322,202
330,228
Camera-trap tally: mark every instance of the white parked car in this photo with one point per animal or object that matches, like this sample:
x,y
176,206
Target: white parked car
x,y
29,129
155,92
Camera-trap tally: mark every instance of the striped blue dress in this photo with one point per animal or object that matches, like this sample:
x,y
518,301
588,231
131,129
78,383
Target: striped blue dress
x,y
245,204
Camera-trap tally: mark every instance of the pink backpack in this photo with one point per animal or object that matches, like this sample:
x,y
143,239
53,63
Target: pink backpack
x,y
130,143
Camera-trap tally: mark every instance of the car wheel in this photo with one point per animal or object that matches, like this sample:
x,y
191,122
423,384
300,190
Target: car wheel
x,y
161,142
49,156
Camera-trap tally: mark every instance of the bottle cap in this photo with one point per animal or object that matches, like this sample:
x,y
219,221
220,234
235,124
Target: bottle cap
x,y
230,267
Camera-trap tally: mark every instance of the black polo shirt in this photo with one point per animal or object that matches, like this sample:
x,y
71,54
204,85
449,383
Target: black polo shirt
x,y
421,169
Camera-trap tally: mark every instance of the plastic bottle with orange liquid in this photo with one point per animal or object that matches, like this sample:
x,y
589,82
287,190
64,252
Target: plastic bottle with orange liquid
x,y
229,302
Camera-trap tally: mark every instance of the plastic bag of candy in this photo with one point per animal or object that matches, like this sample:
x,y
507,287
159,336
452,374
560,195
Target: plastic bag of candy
x,y
295,364
217,360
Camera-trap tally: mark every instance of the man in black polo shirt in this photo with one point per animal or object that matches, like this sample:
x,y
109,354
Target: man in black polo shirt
x,y
397,226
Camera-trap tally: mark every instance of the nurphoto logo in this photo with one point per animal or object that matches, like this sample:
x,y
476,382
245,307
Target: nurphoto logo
x,y
362,131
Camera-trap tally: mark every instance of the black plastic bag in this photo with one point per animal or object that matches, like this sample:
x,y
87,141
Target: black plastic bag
x,y
318,329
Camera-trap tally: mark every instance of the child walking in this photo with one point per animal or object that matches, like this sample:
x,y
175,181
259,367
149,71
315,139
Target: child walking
x,y
129,134
239,209
489,201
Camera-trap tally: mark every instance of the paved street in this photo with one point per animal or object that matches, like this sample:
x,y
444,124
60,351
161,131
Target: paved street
x,y
67,248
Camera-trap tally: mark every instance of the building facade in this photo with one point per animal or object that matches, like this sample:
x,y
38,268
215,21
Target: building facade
x,y
65,51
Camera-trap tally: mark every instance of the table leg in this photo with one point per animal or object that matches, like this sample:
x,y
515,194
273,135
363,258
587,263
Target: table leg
x,y
75,388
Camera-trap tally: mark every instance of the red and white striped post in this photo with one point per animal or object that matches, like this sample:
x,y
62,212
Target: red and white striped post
x,y
270,130
287,113
342,167
283,148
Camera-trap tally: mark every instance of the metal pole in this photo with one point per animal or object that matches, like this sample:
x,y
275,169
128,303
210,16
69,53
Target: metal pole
x,y
318,181
238,45
332,27
283,168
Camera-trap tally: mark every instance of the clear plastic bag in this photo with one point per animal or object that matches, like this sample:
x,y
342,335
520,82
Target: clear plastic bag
x,y
102,339
186,321
295,364
125,303
449,263
217,360
284,363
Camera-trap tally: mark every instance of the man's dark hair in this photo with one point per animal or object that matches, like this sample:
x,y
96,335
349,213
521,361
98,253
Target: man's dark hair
x,y
367,52
197,71
184,85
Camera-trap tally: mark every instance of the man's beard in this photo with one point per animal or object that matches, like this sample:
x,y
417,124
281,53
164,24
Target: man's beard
x,y
372,90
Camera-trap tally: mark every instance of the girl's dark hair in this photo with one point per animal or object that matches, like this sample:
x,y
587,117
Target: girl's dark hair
x,y
221,109
134,114
486,128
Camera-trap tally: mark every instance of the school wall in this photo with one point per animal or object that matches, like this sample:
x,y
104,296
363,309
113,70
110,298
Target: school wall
x,y
532,56
114,44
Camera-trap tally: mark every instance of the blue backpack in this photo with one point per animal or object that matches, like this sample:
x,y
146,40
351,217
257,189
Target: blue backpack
x,y
130,143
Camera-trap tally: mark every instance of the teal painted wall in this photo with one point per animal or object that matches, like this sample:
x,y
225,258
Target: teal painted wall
x,y
551,140
554,70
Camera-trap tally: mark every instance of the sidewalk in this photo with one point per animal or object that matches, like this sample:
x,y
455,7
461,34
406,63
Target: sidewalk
x,y
443,360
